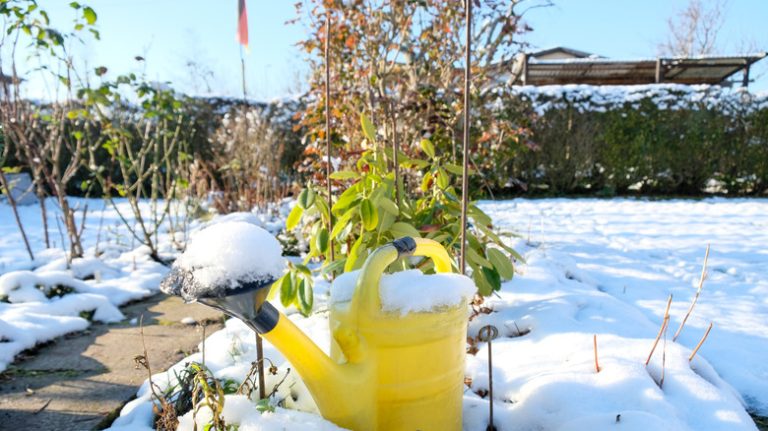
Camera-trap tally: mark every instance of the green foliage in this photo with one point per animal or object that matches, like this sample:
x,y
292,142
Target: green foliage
x,y
367,214
637,146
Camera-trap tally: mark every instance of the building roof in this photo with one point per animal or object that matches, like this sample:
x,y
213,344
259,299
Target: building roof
x,y
569,52
529,70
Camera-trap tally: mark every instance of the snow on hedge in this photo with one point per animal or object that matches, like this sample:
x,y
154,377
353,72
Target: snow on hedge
x,y
601,98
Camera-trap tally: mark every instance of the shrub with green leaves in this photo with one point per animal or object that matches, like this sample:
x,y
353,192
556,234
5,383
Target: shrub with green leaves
x,y
376,208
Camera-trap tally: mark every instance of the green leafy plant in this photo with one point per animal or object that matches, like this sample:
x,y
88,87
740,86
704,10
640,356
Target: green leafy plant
x,y
376,208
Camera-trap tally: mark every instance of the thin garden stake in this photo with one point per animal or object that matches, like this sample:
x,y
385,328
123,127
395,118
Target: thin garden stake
x,y
395,148
260,360
465,166
259,348
328,127
202,324
488,333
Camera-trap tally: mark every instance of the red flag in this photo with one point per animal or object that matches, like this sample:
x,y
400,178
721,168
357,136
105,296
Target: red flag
x,y
242,23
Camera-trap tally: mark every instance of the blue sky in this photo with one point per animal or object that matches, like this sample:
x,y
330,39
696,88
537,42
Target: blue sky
x,y
171,34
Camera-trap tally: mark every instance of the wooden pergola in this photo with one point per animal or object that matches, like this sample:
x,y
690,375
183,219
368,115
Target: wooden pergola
x,y
713,70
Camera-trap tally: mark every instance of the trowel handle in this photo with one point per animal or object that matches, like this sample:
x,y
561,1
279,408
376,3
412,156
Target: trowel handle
x,y
367,290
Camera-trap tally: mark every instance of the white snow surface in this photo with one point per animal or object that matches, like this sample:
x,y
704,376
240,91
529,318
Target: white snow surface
x,y
33,311
410,291
593,267
230,253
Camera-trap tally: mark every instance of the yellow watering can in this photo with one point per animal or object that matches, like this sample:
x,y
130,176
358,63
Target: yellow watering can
x,y
387,371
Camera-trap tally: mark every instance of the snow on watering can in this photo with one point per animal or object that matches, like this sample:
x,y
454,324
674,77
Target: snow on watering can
x,y
398,341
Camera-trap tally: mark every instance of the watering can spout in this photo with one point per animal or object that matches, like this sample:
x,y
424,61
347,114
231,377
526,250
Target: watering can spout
x,y
337,389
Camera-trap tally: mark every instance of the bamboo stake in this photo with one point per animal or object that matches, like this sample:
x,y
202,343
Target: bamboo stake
x,y
696,297
698,346
664,325
465,161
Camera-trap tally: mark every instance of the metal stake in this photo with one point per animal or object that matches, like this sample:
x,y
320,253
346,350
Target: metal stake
x,y
465,167
395,148
487,334
328,127
260,360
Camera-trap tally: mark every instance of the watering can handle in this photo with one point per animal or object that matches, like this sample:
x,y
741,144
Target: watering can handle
x,y
366,293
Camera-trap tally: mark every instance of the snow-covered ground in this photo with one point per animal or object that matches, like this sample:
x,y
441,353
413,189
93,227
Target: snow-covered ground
x,y
594,267
604,268
47,298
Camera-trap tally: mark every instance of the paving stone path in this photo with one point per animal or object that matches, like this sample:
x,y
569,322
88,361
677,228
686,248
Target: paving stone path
x,y
80,381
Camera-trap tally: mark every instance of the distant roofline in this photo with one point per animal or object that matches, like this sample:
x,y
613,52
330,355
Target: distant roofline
x,y
749,56
574,52
702,69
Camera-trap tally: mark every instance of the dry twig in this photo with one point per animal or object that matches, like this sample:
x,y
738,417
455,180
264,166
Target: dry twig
x,y
597,364
664,325
167,418
696,297
698,346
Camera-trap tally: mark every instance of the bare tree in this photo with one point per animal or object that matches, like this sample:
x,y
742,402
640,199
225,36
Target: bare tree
x,y
694,30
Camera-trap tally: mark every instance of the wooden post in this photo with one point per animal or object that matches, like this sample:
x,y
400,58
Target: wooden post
x,y
659,71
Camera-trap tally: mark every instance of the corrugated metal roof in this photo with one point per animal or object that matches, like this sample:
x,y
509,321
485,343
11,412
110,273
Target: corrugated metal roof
x,y
601,71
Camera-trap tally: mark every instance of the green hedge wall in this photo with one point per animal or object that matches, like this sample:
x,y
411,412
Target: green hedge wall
x,y
662,139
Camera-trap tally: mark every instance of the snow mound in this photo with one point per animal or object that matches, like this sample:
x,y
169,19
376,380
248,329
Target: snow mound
x,y
225,256
410,291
